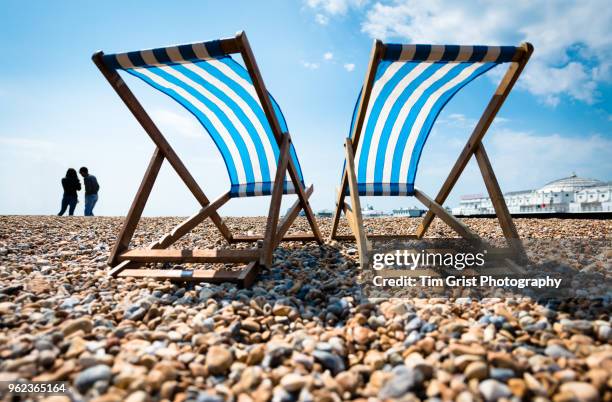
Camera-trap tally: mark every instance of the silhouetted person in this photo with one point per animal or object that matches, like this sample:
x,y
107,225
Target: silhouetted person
x,y
91,190
71,185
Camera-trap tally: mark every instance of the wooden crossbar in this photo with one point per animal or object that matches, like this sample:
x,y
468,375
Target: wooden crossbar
x,y
378,237
244,277
303,236
191,255
449,219
188,225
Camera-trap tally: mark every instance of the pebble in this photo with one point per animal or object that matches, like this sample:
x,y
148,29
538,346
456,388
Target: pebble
x,y
293,382
330,361
582,391
556,351
404,379
604,333
218,360
478,370
82,324
493,390
92,375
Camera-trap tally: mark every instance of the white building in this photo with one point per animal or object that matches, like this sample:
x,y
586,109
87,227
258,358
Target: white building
x,y
370,212
570,194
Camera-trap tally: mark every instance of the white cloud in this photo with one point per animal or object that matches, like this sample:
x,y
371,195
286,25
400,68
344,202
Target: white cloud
x,y
309,65
573,50
461,121
521,156
328,56
321,19
26,143
521,160
349,67
172,122
334,7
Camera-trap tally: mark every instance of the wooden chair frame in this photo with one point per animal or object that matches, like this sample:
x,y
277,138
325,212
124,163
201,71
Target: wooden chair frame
x,y
127,263
474,147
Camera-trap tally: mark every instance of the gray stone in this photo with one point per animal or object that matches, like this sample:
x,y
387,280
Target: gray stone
x,y
92,375
604,333
330,361
135,312
501,374
556,351
493,390
404,380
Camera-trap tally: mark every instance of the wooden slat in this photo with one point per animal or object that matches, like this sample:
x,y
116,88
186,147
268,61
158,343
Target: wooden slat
x,y
375,56
500,95
116,270
449,219
244,277
138,204
188,255
158,138
229,45
377,237
290,237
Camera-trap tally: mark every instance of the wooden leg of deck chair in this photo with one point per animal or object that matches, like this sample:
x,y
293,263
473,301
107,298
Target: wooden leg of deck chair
x,y
499,203
275,203
503,89
339,208
303,199
140,200
264,98
376,55
158,138
449,219
361,240
293,212
358,229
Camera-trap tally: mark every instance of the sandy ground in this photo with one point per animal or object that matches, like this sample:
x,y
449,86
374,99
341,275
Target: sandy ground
x,y
301,333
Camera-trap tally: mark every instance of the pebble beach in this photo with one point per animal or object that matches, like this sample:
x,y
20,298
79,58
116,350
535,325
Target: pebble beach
x,y
303,332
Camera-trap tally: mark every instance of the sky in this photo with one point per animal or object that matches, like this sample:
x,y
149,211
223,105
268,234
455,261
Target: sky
x,y
57,111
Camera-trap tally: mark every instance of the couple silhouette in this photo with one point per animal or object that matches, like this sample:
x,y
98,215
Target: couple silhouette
x,y
72,185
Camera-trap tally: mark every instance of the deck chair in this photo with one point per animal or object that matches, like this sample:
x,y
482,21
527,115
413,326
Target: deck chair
x,y
406,87
234,107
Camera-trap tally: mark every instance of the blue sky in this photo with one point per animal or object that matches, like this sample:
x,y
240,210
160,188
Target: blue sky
x,y
57,111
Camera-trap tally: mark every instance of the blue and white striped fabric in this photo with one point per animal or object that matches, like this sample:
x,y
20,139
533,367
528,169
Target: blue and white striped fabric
x,y
412,85
219,92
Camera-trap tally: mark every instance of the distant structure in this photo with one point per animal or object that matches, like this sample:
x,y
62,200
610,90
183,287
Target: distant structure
x,y
369,212
413,212
571,194
324,213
